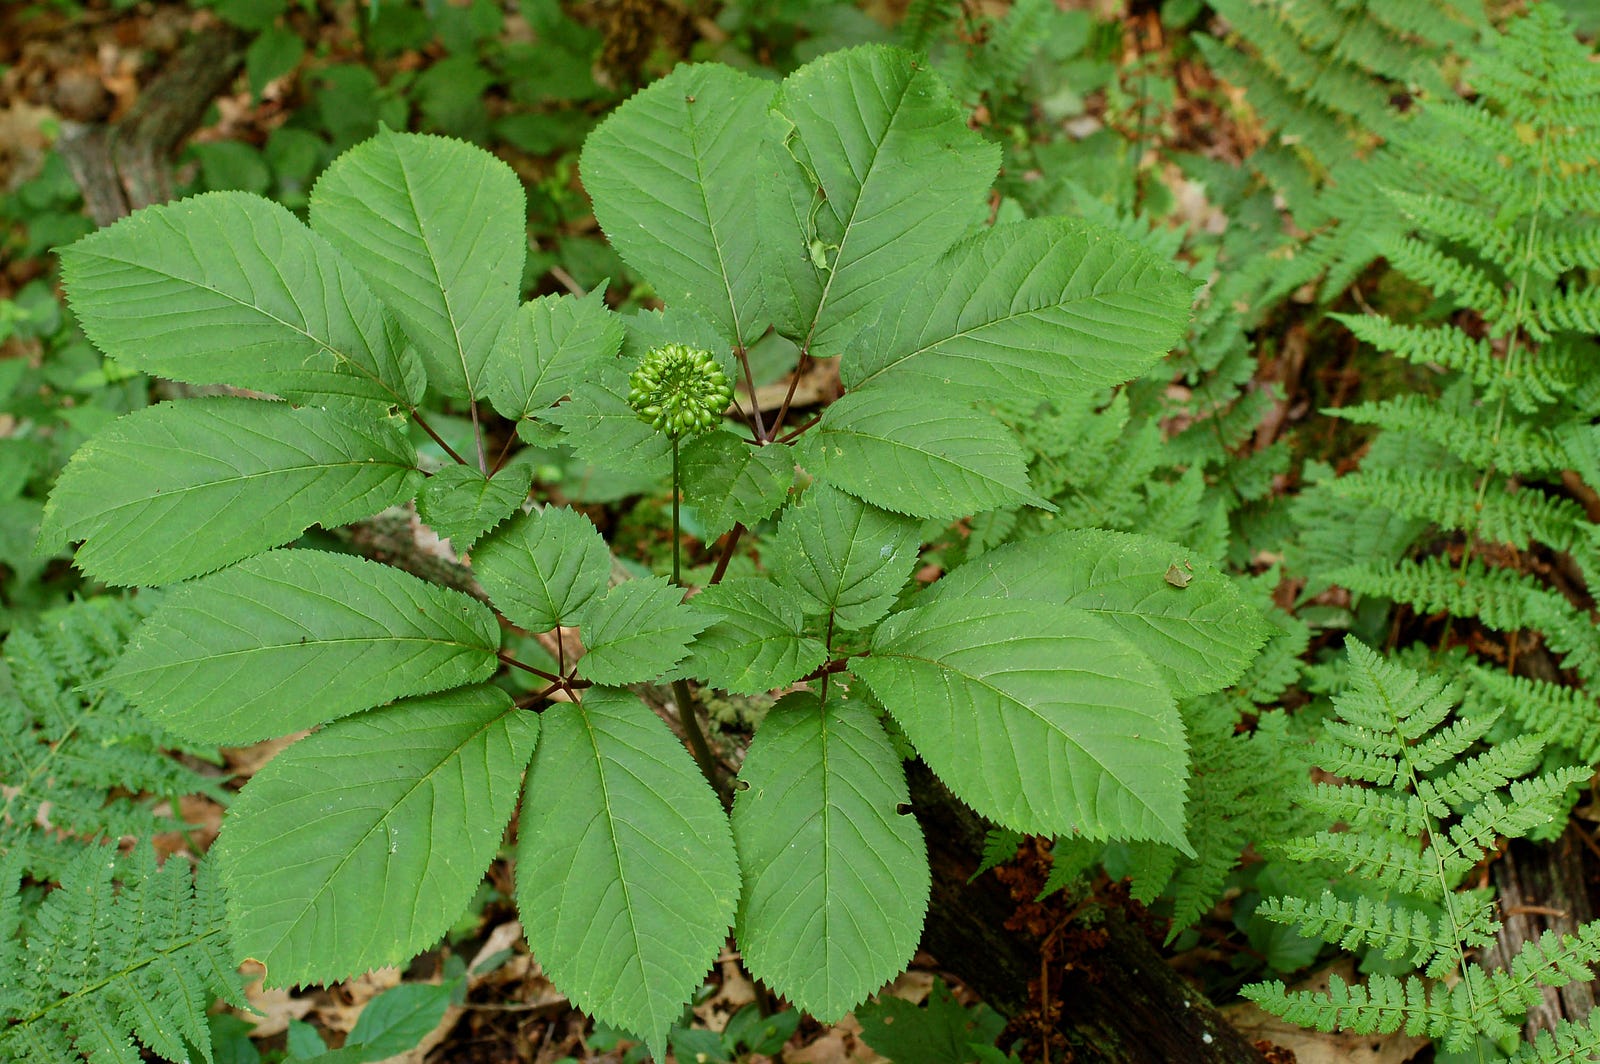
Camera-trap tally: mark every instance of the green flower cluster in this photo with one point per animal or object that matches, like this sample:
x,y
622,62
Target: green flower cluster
x,y
679,390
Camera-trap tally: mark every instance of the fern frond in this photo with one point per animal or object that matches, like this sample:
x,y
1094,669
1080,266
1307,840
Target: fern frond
x,y
1450,500
1422,936
68,744
1568,632
1332,536
1550,960
1499,597
120,950
1563,716
1322,135
1567,1043
1409,843
924,20
1394,811
1569,311
1443,272
1473,780
1437,23
1531,806
1014,41
1541,376
1472,225
999,846
1380,1006
1519,449
1574,247
1392,858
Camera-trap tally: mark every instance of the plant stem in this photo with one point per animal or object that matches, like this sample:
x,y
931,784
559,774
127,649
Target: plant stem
x,y
697,741
422,423
504,451
728,547
793,433
788,397
525,667
477,438
680,688
676,537
755,404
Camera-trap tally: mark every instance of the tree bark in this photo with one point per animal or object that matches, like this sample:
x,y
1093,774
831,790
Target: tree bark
x,y
128,164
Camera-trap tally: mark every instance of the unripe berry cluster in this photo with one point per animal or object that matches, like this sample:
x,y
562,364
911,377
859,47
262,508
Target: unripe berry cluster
x,y
679,390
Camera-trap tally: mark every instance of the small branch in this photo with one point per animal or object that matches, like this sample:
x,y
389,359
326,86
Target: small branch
x,y
790,436
504,451
422,423
827,641
788,397
728,547
507,659
567,281
128,165
677,532
823,671
750,383
477,437
697,742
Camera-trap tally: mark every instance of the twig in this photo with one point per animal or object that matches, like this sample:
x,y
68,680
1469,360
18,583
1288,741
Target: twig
x,y
567,281
697,742
422,423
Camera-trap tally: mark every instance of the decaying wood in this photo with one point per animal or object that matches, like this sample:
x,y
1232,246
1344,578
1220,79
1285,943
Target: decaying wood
x,y
1127,1006
1541,888
128,164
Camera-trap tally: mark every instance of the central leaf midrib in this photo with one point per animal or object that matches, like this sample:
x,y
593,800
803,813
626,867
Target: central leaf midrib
x,y
716,242
433,263
636,959
932,456
355,367
989,323
241,478
940,667
308,644
849,226
381,821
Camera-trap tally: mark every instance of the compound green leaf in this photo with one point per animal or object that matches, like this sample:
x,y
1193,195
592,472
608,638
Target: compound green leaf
x,y
836,878
847,558
229,288
461,504
1042,307
879,174
673,174
439,229
554,344
292,638
920,455
543,567
754,641
1038,716
730,482
626,875
637,632
1202,635
182,488
362,843
601,428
